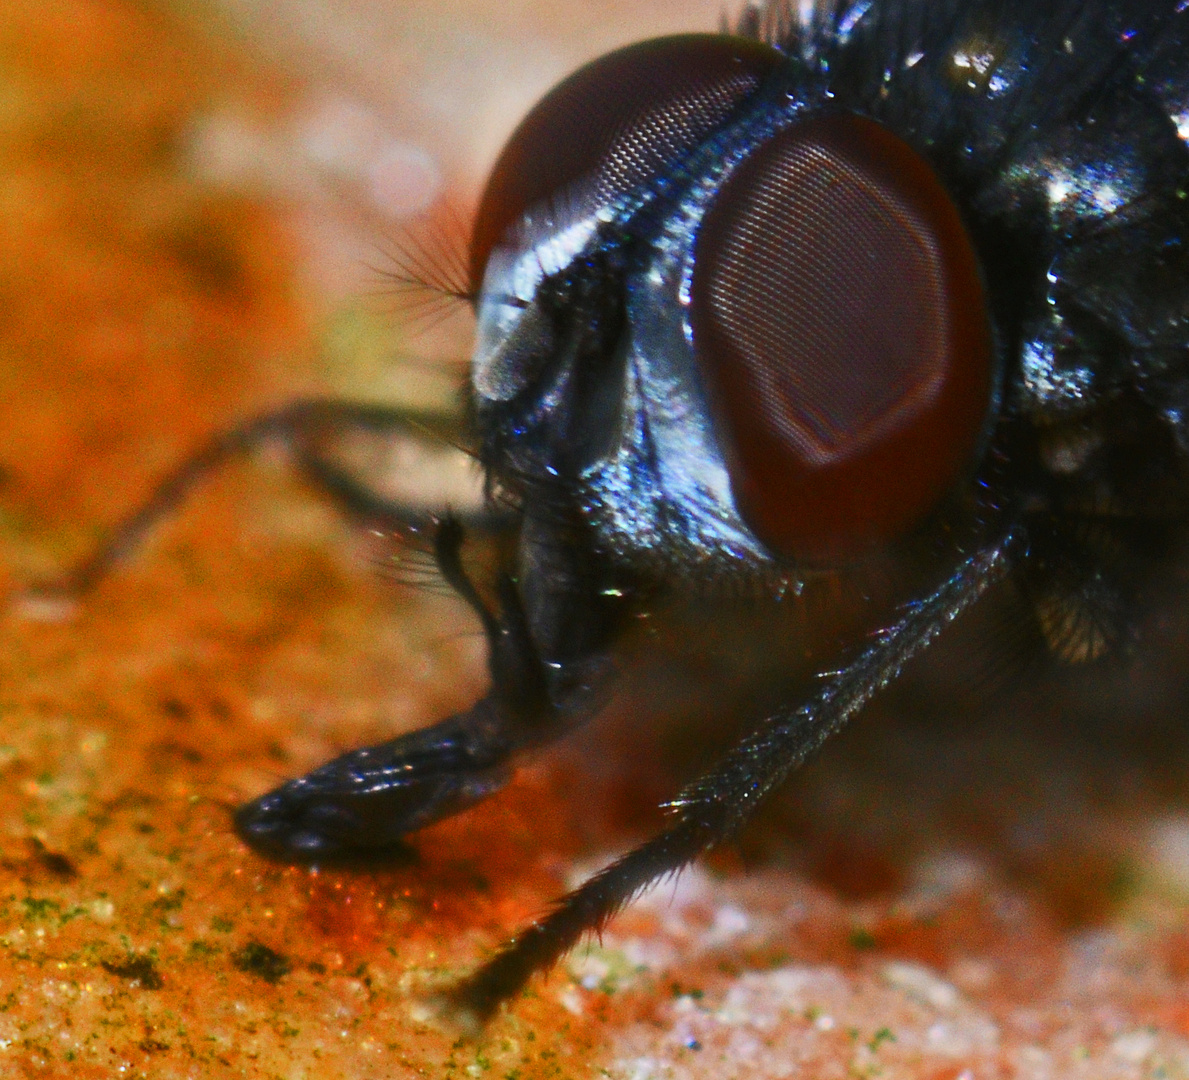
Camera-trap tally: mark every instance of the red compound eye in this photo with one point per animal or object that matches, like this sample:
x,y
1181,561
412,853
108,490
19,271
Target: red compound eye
x,y
839,318
615,123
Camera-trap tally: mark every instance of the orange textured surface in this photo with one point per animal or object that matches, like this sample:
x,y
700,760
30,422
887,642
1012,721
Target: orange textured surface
x,y
995,898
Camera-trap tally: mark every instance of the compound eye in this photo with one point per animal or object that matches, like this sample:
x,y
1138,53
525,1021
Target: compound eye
x,y
839,318
614,124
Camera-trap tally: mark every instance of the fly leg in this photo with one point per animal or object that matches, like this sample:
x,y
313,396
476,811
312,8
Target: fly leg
x,y
716,806
362,803
300,427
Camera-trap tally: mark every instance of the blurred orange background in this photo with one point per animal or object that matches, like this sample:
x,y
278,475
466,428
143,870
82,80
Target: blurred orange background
x,y
196,204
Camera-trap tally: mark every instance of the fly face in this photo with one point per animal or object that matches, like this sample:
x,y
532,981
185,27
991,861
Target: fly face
x,y
908,278
770,353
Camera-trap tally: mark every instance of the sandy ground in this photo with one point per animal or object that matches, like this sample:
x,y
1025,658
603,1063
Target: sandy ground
x,y
194,204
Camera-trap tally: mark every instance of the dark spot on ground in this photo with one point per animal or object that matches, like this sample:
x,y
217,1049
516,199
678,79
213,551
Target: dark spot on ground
x,y
139,970
261,961
53,862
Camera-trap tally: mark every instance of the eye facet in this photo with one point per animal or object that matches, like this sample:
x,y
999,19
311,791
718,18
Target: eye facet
x,y
839,318
615,123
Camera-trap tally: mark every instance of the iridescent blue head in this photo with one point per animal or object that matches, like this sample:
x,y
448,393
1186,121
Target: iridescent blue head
x,y
734,318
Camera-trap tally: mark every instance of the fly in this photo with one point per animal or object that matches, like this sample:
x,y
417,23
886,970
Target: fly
x,y
902,283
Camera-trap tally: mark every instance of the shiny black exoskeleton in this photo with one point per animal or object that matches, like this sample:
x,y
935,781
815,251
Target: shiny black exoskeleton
x,y
905,286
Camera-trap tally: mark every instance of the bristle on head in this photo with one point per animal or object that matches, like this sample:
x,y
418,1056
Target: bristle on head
x,y
425,266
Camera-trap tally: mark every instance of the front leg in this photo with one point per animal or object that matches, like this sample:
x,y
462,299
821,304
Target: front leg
x,y
715,807
362,803
301,428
